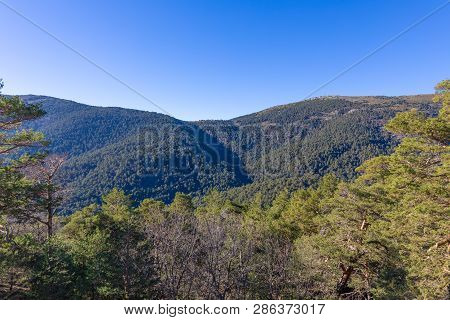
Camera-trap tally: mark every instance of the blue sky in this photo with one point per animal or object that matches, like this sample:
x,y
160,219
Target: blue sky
x,y
220,59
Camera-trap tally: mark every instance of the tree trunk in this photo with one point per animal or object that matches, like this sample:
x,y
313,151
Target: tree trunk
x,y
49,213
342,285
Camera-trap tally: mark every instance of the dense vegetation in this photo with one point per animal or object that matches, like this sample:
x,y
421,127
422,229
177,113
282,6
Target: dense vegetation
x,y
153,155
146,154
383,235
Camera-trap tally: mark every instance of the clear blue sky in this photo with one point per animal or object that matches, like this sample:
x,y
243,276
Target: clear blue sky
x,y
220,59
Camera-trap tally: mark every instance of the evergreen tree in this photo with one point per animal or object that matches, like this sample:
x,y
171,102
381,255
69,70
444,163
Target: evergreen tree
x,y
111,246
18,152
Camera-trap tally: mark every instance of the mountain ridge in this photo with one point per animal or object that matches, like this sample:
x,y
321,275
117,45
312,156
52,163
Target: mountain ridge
x,y
424,97
149,154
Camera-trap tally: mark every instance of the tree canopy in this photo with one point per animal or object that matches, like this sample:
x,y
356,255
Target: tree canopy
x,y
383,235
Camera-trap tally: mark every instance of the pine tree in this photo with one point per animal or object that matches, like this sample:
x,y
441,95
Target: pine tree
x,y
18,151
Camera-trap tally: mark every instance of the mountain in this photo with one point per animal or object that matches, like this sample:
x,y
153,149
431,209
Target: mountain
x,y
305,140
149,154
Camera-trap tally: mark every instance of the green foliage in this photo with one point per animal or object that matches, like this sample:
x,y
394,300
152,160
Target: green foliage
x,y
182,204
390,227
306,234
150,155
15,142
53,272
110,247
13,113
18,191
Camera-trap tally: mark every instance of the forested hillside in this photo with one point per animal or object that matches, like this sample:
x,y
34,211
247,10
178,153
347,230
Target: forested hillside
x,y
148,154
76,128
383,235
145,153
